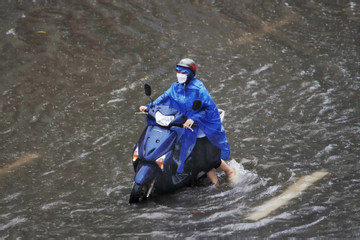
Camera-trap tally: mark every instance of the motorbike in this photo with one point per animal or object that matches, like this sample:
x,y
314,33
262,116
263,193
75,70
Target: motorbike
x,y
156,155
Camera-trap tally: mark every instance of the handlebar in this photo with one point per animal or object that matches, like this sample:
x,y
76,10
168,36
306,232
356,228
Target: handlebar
x,y
175,125
180,125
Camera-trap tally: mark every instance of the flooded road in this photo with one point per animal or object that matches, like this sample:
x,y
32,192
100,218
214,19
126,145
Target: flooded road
x,y
71,78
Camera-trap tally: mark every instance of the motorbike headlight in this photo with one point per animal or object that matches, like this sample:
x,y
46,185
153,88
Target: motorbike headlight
x,y
162,119
160,161
135,154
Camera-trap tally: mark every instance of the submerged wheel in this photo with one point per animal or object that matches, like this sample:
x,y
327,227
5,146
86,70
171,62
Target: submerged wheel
x,y
138,192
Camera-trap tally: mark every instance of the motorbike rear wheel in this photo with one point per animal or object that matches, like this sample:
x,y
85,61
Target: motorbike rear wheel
x,y
138,193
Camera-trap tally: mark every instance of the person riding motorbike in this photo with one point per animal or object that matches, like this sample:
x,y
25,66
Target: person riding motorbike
x,y
208,141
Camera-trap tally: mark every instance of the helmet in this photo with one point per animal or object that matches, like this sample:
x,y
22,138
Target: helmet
x,y
188,63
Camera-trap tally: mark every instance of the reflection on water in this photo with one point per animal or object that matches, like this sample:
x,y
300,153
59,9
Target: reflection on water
x,y
71,78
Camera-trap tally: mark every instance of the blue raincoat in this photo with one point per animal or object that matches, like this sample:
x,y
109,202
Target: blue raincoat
x,y
207,118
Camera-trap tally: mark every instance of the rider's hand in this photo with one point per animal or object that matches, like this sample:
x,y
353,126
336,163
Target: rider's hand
x,y
188,123
142,108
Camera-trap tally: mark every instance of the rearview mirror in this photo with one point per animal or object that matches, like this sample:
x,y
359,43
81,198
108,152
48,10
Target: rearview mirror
x,y
147,89
196,105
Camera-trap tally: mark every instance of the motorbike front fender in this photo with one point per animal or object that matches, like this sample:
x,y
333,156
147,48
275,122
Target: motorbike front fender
x,y
146,174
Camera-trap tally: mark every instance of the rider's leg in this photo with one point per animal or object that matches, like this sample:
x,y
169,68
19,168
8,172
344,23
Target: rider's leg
x,y
212,176
213,160
228,170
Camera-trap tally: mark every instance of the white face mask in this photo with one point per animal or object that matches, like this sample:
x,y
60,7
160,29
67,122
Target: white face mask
x,y
181,77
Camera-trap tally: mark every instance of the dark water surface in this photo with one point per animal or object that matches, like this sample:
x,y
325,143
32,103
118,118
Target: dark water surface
x,y
71,78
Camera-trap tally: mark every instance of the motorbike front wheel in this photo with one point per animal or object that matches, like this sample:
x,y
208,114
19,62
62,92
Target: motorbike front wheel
x,y
138,193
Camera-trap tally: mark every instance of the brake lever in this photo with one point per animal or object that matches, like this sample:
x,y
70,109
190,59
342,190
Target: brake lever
x,y
141,113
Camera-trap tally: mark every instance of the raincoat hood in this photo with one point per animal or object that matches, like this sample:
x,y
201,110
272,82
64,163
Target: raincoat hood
x,y
189,73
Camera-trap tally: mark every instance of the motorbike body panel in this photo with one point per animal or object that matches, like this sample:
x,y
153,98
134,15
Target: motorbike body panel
x,y
146,173
156,142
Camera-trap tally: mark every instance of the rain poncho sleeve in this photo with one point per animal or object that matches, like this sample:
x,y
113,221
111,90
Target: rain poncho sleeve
x,y
163,99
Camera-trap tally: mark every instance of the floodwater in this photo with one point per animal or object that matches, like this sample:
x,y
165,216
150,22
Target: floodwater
x,y
71,78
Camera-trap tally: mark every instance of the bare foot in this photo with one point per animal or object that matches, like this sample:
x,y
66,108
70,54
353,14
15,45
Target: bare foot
x,y
232,175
